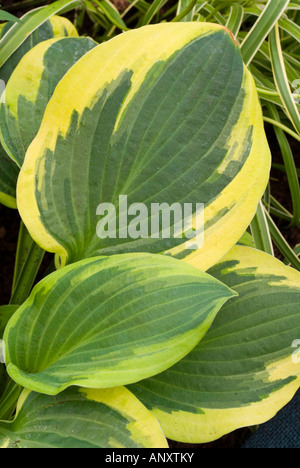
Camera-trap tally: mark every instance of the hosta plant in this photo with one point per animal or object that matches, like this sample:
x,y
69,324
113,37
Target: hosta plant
x,y
55,27
139,336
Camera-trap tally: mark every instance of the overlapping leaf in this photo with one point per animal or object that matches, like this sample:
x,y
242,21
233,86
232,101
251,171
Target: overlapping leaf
x,y
27,93
5,16
6,311
110,321
9,172
244,370
163,114
56,26
3,378
80,418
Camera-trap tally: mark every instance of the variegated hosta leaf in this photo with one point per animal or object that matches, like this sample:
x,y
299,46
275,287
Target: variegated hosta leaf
x,y
9,172
27,93
162,114
56,26
30,88
245,369
81,418
9,394
109,321
6,311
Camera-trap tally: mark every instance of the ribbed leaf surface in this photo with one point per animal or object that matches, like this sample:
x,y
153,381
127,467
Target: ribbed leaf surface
x,y
30,88
246,368
110,321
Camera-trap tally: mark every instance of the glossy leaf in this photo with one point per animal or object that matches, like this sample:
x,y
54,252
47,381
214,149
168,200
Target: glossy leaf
x,y
80,418
9,172
19,32
110,321
130,132
30,88
56,26
244,370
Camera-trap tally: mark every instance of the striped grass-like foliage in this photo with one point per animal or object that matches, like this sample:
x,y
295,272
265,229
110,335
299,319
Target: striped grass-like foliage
x,y
55,27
